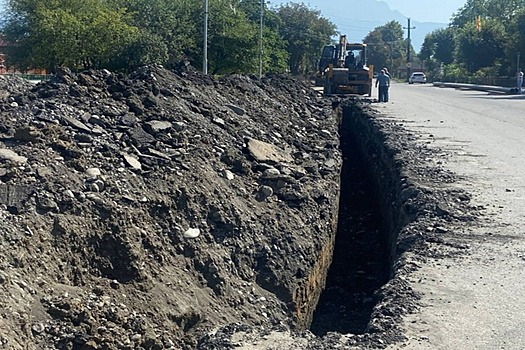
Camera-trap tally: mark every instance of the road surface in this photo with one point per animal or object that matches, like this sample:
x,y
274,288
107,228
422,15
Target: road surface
x,y
476,301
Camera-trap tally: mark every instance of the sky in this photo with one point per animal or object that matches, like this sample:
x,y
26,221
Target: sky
x,y
425,10
439,11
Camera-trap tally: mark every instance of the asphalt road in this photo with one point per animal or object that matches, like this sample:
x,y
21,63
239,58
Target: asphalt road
x,y
476,301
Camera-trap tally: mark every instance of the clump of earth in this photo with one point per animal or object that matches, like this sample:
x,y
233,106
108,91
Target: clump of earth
x,y
171,210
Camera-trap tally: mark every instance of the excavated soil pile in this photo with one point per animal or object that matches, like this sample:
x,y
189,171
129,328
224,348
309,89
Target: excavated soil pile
x,y
146,210
169,210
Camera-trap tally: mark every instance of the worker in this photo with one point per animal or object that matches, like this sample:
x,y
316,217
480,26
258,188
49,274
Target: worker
x,y
383,81
349,60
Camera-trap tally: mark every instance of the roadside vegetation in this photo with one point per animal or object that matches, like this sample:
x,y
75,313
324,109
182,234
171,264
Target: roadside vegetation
x,y
481,43
125,34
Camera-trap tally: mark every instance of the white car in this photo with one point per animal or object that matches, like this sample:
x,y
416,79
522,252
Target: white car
x,y
417,77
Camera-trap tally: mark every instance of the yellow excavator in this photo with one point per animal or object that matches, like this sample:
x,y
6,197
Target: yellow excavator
x,y
343,69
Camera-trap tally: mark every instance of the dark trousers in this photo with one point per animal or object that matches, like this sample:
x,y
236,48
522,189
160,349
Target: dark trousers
x,y
383,93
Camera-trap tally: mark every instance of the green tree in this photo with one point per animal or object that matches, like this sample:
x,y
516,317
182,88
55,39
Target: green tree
x,y
516,42
387,46
74,33
275,57
167,28
146,48
232,47
439,46
501,10
480,49
305,32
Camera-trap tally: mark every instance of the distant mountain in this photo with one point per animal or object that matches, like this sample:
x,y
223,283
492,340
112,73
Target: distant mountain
x,y
357,19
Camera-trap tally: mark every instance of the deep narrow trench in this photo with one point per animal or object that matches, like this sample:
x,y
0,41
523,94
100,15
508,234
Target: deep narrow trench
x,y
362,254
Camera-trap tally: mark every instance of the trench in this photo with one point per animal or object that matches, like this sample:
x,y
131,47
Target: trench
x,y
368,225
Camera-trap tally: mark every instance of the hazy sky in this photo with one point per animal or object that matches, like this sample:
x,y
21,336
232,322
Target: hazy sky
x,y
439,11
426,10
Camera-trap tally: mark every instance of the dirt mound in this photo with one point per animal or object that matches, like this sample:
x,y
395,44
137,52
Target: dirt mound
x,y
142,211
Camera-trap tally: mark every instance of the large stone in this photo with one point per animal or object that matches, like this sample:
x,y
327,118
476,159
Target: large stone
x,y
9,155
132,161
267,153
192,233
156,126
140,136
77,124
238,110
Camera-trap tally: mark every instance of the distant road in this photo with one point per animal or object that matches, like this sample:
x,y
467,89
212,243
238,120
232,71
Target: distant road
x,y
475,301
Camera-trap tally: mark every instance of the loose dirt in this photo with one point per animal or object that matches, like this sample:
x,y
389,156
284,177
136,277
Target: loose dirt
x,y
170,210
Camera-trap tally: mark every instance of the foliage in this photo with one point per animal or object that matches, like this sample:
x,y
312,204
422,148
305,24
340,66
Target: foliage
x,y
274,54
490,49
233,43
439,46
500,10
516,42
146,48
75,33
171,24
454,72
305,32
123,34
387,48
480,49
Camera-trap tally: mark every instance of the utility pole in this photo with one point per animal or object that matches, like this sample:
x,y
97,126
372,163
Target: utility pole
x,y
205,49
391,56
409,64
261,41
517,62
518,71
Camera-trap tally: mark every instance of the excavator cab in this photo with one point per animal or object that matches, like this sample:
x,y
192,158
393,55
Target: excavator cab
x,y
327,57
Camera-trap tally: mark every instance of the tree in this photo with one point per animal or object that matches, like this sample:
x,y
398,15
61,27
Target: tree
x,y
275,57
516,41
500,10
75,33
305,32
387,46
439,46
232,47
167,27
481,49
147,48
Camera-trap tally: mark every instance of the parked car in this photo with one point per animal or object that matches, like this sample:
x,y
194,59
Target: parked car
x,y
417,77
